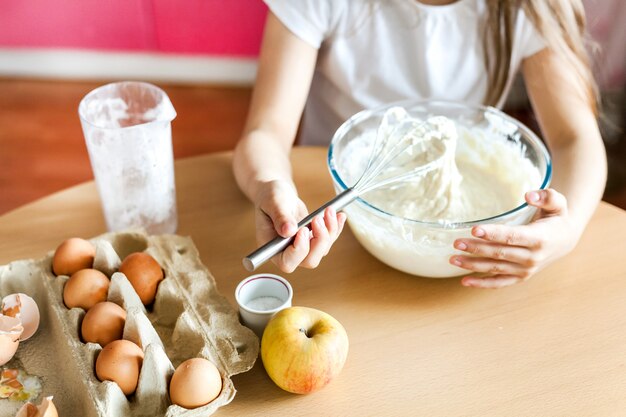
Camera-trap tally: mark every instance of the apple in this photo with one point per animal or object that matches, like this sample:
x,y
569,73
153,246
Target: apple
x,y
303,349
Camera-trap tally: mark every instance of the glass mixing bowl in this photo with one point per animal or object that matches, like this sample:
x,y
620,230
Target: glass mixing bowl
x,y
424,248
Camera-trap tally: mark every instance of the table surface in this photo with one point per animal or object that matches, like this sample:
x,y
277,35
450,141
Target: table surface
x,y
555,345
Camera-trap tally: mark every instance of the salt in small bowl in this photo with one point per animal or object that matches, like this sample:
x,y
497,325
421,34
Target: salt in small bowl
x,y
261,296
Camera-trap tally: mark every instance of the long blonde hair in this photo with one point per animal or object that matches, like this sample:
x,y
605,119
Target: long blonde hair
x,y
561,23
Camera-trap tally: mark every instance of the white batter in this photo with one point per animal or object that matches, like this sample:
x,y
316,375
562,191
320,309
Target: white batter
x,y
477,177
480,174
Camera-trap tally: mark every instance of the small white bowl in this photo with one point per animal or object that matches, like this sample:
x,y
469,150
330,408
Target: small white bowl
x,y
261,296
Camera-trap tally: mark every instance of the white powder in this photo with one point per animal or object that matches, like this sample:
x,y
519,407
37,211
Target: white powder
x,y
264,303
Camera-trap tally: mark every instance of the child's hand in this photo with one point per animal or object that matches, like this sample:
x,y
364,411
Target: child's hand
x,y
511,254
278,211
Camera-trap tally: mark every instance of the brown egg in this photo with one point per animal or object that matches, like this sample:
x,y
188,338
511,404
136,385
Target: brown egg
x,y
196,382
85,289
120,361
144,274
73,255
103,323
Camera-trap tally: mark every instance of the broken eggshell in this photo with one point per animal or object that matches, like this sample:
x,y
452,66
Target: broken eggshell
x,y
24,308
213,332
46,409
10,331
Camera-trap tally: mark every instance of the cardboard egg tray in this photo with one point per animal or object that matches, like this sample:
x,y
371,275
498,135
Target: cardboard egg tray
x,y
189,319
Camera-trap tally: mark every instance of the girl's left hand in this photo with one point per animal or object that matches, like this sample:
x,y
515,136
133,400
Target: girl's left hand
x,y
507,255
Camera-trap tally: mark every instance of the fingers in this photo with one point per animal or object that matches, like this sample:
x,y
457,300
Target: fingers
x,y
289,259
341,219
310,246
280,203
285,223
511,254
331,222
508,235
320,243
490,266
505,265
337,220
481,248
548,200
325,231
490,282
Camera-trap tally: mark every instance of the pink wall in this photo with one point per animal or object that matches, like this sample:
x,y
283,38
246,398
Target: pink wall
x,y
212,27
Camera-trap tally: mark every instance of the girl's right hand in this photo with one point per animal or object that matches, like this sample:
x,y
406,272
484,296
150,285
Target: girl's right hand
x,y
278,210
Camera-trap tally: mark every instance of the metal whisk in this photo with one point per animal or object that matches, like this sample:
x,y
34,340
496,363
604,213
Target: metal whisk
x,y
397,155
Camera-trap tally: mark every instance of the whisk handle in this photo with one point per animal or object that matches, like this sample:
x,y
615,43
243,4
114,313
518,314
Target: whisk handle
x,y
278,244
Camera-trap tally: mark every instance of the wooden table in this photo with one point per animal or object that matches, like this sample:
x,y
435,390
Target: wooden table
x,y
555,345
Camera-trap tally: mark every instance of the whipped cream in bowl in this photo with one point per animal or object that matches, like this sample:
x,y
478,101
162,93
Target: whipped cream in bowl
x,y
490,161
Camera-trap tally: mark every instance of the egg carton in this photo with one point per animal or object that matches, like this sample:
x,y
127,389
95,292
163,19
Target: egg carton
x,y
188,319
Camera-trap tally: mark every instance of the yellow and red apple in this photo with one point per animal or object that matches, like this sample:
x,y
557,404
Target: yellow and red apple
x,y
303,349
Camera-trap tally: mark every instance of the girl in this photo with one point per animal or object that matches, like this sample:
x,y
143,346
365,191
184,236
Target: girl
x,y
324,60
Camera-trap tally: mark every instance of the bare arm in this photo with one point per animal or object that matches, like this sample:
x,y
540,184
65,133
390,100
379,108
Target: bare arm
x,y
570,128
510,254
286,66
261,160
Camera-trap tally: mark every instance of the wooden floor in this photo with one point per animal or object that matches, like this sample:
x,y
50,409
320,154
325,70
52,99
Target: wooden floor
x,y
42,148
41,142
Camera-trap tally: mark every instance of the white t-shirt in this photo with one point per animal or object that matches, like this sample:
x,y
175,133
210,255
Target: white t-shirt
x,y
373,52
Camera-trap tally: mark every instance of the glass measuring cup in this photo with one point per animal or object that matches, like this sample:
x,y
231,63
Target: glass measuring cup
x,y
127,128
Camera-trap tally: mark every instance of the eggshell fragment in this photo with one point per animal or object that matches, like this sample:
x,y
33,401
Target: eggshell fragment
x,y
73,255
120,361
24,308
196,382
144,274
10,331
103,323
85,288
46,409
